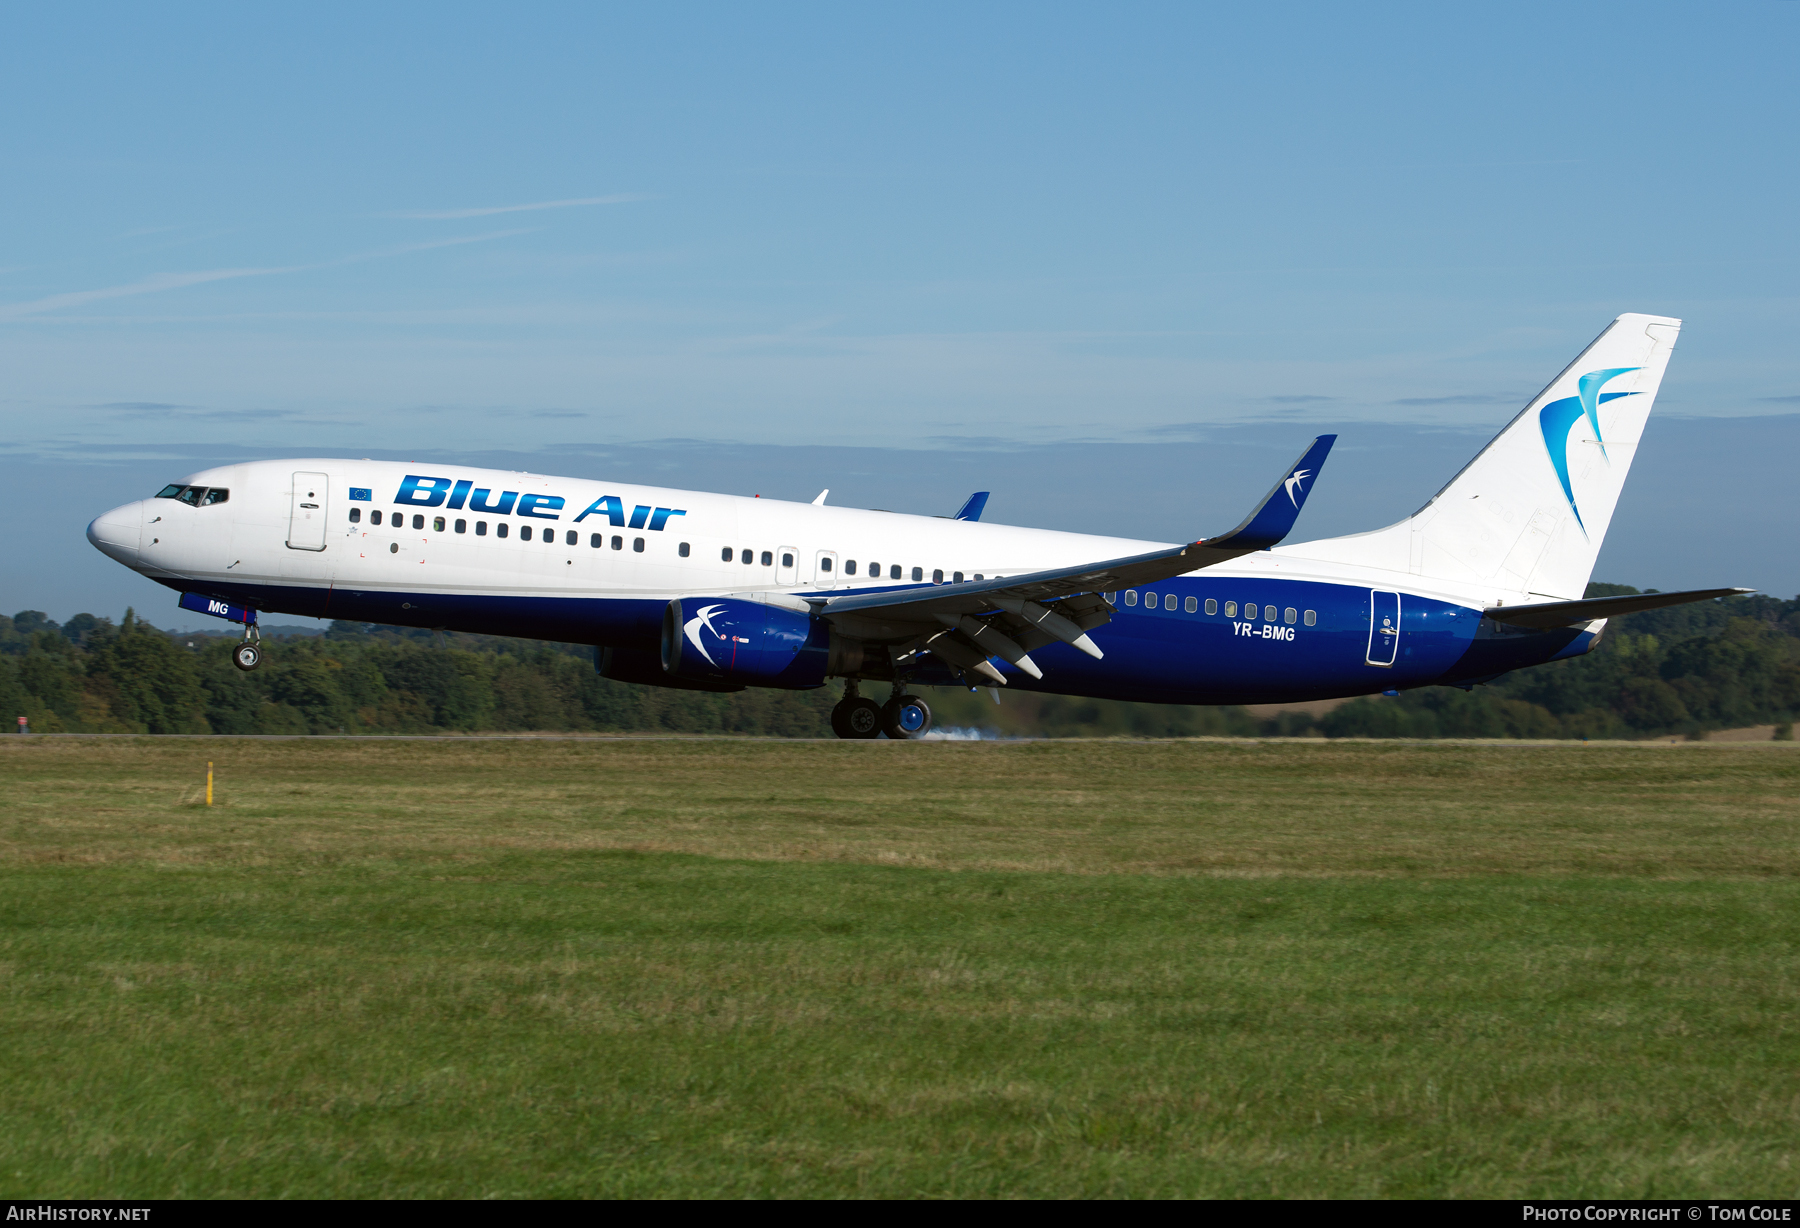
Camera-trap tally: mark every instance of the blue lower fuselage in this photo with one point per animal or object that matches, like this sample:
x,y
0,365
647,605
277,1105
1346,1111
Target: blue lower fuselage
x,y
1161,655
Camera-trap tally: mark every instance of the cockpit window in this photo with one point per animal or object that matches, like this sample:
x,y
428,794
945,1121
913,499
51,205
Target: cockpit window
x,y
194,496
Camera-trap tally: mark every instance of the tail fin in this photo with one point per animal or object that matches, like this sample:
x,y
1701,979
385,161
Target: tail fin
x,y
1527,515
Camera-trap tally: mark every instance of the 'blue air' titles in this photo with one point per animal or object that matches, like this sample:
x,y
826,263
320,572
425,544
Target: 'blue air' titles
x,y
457,493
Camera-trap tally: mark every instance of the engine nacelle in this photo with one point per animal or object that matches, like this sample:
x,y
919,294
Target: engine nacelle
x,y
725,639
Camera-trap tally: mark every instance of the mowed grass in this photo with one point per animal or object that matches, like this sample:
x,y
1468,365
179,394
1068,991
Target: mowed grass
x,y
646,968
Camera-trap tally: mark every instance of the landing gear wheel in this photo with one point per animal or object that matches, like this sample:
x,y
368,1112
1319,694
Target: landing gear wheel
x,y
906,716
856,718
246,656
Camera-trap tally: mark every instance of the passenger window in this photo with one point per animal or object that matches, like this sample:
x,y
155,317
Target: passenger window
x,y
1212,605
618,543
937,577
918,573
978,575
418,522
637,544
1131,596
724,555
500,529
1231,609
524,532
1269,613
437,524
749,557
894,572
595,539
874,571
169,491
481,528
787,560
1191,605
683,551
849,567
1151,600
768,559
571,538
375,516
1249,611
217,494
462,526
356,515
956,577
1171,601
1288,615
825,563
1312,617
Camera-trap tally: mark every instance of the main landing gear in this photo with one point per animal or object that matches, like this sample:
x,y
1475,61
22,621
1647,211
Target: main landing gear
x,y
903,716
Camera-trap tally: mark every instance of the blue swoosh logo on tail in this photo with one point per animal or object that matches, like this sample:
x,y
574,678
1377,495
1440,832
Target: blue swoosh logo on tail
x,y
1556,419
1588,388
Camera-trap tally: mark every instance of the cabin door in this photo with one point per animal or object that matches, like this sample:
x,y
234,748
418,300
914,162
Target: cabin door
x,y
306,518
1384,627
787,568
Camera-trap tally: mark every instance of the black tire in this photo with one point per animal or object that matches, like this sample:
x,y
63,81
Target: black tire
x,y
856,719
246,656
906,716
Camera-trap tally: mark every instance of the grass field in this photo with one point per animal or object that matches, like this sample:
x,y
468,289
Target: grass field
x,y
530,968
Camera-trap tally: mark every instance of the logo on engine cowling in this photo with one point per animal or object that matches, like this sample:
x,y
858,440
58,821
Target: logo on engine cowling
x,y
691,629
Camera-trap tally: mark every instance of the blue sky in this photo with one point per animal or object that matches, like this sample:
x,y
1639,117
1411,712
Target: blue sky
x,y
953,230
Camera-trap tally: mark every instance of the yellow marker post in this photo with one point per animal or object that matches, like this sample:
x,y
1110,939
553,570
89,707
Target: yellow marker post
x,y
209,782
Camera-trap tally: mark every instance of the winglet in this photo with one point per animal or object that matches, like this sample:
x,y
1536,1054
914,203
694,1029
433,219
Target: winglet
x,y
820,501
972,509
1274,517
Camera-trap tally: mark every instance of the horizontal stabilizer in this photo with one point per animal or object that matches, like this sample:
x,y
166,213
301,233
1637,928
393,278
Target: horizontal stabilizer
x,y
1569,613
972,509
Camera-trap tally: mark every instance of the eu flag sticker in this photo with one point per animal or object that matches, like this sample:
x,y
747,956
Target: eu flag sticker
x,y
360,494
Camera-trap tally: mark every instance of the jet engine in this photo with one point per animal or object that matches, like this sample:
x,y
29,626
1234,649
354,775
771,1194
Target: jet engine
x,y
727,639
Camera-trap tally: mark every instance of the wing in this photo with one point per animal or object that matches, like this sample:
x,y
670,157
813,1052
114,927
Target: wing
x,y
1552,614
1008,617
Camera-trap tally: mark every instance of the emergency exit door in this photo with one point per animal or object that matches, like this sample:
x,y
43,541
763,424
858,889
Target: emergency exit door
x,y
1384,627
306,518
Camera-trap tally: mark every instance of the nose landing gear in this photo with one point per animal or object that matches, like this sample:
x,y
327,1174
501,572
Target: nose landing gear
x,y
248,655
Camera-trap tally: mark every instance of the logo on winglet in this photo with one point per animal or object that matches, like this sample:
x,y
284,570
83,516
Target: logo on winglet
x,y
1294,485
1558,417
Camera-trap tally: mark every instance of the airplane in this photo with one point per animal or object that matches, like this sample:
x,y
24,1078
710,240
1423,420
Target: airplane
x,y
717,592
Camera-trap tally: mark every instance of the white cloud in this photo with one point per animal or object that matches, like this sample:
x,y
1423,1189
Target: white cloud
x,y
149,285
175,281
488,211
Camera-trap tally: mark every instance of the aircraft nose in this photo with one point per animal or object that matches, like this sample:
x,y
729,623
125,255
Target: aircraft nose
x,y
118,534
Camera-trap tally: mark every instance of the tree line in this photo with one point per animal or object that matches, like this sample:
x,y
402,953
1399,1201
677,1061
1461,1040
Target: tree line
x,y
1684,670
